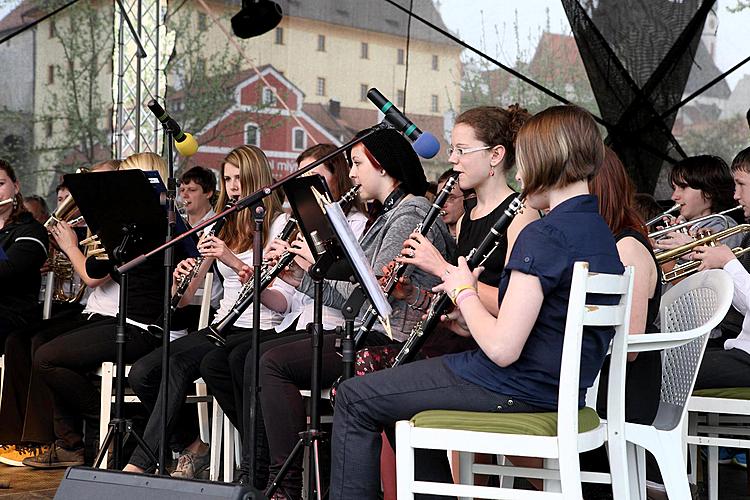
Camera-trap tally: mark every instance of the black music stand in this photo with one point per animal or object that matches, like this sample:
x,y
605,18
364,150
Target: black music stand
x,y
123,233
337,256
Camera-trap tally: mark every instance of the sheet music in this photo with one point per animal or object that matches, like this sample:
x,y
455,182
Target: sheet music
x,y
357,258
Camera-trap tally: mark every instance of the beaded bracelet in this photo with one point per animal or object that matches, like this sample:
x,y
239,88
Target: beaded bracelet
x,y
465,294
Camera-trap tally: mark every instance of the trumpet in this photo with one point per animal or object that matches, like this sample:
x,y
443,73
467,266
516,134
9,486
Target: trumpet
x,y
684,270
690,224
711,239
67,211
656,219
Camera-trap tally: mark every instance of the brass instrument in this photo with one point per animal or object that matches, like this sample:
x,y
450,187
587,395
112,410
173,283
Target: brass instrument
x,y
681,251
690,224
656,219
684,270
67,286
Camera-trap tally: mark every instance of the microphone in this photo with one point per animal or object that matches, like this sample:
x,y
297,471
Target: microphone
x,y
424,143
185,143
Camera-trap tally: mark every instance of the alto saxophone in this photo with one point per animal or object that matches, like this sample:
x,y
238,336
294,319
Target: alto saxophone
x,y
371,315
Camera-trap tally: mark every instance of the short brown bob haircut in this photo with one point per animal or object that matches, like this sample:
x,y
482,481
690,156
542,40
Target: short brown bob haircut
x,y
558,146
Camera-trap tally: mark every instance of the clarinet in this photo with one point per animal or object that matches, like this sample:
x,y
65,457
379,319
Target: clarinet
x,y
441,302
156,329
185,280
216,330
371,315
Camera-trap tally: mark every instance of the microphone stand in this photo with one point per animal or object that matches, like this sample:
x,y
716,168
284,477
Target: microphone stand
x,y
167,297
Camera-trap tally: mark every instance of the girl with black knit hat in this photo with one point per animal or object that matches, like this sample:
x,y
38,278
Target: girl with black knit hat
x,y
388,170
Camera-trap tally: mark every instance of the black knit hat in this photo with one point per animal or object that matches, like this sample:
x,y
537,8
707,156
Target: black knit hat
x,y
397,157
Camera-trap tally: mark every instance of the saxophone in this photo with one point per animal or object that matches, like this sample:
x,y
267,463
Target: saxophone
x,y
371,315
441,302
215,331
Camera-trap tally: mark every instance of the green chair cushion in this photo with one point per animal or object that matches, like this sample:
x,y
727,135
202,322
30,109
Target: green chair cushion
x,y
533,424
725,392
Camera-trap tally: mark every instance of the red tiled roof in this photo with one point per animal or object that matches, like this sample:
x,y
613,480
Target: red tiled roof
x,y
24,13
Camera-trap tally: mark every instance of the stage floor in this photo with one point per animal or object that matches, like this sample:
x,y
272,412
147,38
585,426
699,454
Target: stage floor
x,y
27,483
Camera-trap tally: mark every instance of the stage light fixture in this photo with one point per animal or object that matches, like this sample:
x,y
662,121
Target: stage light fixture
x,y
256,18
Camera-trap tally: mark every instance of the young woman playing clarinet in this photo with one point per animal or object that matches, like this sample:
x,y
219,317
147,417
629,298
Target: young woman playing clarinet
x,y
244,171
389,171
516,367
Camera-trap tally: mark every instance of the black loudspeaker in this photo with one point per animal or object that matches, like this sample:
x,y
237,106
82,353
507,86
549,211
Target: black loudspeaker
x,y
84,483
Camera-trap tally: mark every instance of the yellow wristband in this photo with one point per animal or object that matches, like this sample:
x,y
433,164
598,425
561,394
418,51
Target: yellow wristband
x,y
454,293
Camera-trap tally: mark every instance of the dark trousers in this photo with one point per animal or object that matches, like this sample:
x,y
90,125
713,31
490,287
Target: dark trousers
x,y
185,356
724,368
64,365
285,368
365,406
228,375
26,412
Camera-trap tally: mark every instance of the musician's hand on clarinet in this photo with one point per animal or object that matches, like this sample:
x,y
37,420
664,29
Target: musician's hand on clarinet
x,y
274,250
420,252
183,268
213,247
456,277
300,248
712,257
405,289
456,323
245,273
65,236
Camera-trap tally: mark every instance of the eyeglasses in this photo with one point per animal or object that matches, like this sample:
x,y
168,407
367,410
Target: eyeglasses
x,y
462,151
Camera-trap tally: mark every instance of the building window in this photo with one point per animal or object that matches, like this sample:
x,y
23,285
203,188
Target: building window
x,y
252,134
435,62
202,21
363,88
434,103
364,51
269,97
400,98
52,29
399,56
321,88
48,127
50,74
279,36
321,43
299,139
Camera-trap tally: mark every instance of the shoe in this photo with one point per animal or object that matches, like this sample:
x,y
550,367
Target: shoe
x,y
739,459
15,455
55,457
190,464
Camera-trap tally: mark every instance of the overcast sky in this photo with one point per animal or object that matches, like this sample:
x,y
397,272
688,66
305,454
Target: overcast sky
x,y
489,24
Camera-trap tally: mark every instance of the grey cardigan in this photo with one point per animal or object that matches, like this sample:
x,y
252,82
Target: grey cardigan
x,y
381,244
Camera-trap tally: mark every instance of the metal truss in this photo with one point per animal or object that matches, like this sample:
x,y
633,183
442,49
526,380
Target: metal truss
x,y
138,79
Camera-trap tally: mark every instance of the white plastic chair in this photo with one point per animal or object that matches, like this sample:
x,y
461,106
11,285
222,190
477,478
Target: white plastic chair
x,y
722,419
561,446
689,311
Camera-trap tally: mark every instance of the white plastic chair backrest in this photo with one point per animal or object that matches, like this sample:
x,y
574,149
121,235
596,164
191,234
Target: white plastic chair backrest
x,y
206,300
581,314
696,305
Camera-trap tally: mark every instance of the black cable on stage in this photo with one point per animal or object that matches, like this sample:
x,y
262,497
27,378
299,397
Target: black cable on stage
x,y
34,23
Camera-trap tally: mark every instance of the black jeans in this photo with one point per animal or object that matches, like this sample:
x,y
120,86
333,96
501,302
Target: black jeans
x,y
285,368
26,412
64,365
185,356
724,368
228,375
365,406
